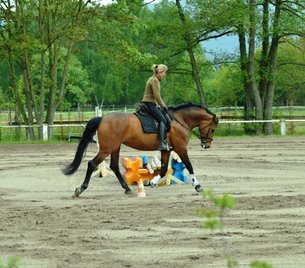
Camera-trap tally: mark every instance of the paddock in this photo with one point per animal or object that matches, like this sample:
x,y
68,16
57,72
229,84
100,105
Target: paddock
x,y
46,227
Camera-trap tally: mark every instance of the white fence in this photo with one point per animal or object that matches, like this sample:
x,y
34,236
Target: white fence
x,y
282,123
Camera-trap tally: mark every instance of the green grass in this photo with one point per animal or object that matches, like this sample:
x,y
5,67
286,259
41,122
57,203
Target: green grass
x,y
11,262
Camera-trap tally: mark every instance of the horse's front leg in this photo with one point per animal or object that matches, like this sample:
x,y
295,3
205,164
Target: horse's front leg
x,y
186,161
164,166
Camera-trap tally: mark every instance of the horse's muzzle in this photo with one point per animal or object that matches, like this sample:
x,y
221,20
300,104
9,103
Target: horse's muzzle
x,y
206,143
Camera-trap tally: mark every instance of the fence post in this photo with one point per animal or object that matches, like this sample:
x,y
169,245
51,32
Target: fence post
x,y
44,132
98,111
283,127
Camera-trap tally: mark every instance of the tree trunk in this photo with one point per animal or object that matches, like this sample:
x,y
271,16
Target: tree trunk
x,y
263,63
27,93
21,28
254,89
248,103
62,91
188,40
272,68
15,91
40,119
53,65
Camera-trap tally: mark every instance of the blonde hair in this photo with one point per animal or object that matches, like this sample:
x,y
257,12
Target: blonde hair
x,y
157,68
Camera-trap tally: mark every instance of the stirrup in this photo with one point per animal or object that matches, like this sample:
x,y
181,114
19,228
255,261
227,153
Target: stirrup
x,y
163,146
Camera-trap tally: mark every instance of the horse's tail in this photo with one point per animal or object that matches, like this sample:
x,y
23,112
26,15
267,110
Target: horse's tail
x,y
89,131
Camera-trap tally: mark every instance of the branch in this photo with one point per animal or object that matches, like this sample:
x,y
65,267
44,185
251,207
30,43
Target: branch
x,y
288,41
294,3
293,12
213,36
147,3
291,63
300,34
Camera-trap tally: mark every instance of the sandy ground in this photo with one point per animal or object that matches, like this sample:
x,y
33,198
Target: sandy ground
x,y
46,227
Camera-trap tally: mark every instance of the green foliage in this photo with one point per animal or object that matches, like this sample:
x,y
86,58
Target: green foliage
x,y
12,262
224,87
231,262
213,218
3,100
260,264
290,82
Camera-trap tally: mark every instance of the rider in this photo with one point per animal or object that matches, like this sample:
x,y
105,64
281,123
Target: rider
x,y
152,97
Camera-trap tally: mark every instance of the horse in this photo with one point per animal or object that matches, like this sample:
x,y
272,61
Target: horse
x,y
119,128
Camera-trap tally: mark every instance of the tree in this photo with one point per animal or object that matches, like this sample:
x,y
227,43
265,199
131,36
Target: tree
x,y
60,24
278,20
189,47
289,80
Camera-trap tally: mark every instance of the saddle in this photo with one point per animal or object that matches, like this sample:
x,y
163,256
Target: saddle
x,y
149,124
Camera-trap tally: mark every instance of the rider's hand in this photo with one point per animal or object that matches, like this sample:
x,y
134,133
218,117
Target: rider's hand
x,y
165,108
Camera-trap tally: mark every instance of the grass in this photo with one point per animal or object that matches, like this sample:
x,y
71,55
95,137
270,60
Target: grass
x,y
11,262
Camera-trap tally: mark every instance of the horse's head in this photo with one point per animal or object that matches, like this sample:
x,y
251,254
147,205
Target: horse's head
x,y
206,129
197,116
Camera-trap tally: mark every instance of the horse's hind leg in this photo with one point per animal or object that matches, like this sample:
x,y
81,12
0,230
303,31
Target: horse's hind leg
x,y
114,165
92,164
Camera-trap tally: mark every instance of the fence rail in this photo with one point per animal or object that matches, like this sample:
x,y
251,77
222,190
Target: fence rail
x,y
66,131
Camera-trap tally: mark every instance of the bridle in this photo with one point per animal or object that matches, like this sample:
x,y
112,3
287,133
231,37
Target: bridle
x,y
206,138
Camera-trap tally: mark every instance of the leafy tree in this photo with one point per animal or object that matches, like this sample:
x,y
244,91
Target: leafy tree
x,y
277,20
225,87
289,80
45,27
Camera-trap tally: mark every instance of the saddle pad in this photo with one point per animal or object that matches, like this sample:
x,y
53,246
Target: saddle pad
x,y
149,125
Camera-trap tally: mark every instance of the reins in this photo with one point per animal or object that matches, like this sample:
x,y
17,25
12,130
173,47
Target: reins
x,y
172,115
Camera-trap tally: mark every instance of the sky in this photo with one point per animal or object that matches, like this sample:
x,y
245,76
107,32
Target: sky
x,y
227,44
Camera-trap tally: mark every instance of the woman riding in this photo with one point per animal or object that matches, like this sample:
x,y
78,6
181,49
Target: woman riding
x,y
152,97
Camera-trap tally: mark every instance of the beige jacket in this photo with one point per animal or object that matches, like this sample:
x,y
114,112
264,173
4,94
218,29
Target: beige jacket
x,y
152,91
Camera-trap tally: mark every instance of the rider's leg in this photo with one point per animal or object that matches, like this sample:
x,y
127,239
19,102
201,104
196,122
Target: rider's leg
x,y
156,113
163,146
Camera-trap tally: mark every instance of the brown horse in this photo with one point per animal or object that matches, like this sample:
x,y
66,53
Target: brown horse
x,y
122,128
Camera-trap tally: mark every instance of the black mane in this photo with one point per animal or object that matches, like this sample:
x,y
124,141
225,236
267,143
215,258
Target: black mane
x,y
189,105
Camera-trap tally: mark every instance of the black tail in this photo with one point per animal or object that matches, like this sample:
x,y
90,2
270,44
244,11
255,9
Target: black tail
x,y
89,131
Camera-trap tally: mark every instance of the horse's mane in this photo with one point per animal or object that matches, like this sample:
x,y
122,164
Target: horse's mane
x,y
189,105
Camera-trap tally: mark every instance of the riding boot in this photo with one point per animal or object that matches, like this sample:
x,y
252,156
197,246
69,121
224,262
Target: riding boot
x,y
163,146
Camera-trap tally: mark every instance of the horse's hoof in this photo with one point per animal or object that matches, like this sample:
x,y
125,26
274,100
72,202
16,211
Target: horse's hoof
x,y
198,188
77,192
129,192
